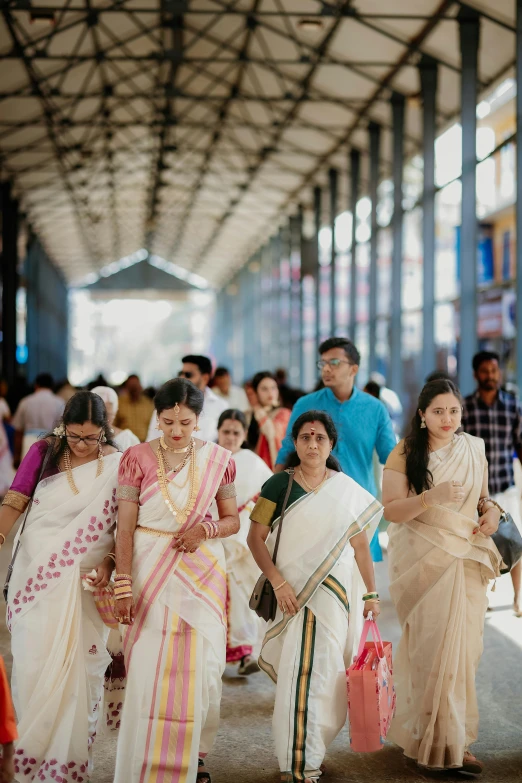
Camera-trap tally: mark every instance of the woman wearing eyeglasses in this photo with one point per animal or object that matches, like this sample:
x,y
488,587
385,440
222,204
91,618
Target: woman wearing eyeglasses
x,y
58,637
269,421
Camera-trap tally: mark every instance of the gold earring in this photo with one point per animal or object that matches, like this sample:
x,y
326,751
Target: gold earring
x,y
158,424
197,428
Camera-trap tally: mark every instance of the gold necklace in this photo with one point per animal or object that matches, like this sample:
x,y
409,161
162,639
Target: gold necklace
x,y
163,482
164,446
307,485
68,468
177,470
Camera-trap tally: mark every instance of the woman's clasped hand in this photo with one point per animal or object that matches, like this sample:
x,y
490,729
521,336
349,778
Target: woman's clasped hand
x,y
287,599
447,492
189,541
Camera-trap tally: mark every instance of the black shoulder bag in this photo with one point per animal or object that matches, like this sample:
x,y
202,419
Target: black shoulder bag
x,y
263,600
508,541
26,514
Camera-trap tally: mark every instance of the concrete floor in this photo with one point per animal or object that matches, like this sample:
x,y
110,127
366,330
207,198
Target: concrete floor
x,y
243,751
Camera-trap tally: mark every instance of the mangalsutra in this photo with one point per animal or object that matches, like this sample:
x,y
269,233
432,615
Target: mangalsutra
x,y
307,485
164,446
163,482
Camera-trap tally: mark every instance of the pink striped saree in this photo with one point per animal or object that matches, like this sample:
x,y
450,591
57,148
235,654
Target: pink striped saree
x,y
175,650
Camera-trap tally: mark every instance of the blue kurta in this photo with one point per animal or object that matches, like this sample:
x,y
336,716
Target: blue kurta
x,y
363,425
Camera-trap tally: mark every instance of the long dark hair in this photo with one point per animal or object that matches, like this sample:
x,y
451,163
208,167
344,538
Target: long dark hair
x,y
253,429
182,392
326,420
416,443
83,406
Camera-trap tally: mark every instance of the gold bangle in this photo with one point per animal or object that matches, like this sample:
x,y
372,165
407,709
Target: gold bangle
x,y
280,586
122,576
121,597
423,499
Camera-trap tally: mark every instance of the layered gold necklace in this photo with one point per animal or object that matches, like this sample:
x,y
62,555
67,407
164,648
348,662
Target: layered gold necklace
x,y
181,514
163,444
68,469
307,485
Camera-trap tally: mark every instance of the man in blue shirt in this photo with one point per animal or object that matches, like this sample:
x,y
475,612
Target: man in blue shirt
x,y
362,422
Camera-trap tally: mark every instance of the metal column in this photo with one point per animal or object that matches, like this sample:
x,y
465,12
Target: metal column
x,y
318,196
429,77
397,102
469,27
333,182
518,204
355,173
374,131
10,221
296,314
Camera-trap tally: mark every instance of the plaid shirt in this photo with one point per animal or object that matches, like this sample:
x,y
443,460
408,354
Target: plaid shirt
x,y
499,425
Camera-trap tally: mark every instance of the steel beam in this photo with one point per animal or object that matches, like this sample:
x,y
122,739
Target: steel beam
x,y
428,70
469,28
374,131
397,228
318,216
9,256
355,176
333,178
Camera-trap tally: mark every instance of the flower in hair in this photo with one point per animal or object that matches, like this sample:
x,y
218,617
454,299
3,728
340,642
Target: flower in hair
x,y
59,431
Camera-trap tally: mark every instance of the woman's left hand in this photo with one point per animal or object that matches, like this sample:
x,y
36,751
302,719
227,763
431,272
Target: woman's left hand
x,y
191,540
489,521
373,607
103,573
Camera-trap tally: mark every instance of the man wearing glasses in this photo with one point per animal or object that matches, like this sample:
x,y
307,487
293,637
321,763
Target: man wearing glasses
x,y
362,422
198,369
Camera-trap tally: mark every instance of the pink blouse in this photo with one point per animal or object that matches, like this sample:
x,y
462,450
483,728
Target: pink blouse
x,y
138,470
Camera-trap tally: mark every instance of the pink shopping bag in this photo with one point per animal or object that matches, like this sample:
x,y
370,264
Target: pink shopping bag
x,y
371,693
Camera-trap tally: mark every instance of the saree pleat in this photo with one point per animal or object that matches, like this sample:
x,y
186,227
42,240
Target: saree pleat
x,y
439,571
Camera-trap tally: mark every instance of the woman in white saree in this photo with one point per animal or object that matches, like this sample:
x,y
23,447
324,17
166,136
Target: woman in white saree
x,y
441,557
323,565
244,627
171,593
58,637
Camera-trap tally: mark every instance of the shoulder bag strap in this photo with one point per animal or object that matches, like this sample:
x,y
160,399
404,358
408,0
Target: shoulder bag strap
x,y
285,503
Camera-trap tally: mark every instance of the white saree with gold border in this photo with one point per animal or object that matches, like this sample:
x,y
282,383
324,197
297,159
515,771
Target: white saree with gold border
x,y
175,649
307,655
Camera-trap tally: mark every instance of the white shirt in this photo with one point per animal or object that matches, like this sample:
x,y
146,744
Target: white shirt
x,y
213,407
236,398
39,412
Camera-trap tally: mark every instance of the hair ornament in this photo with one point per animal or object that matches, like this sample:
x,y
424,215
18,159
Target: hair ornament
x,y
59,431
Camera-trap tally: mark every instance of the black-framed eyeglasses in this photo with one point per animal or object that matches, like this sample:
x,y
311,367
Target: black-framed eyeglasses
x,y
89,440
185,374
322,363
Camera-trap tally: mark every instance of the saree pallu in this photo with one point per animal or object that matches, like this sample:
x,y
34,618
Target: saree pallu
x,y
58,638
307,655
439,571
175,650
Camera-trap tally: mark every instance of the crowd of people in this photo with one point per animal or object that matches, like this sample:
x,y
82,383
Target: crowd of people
x,y
148,519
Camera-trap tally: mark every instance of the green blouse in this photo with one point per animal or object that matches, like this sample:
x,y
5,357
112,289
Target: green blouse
x,y
270,502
